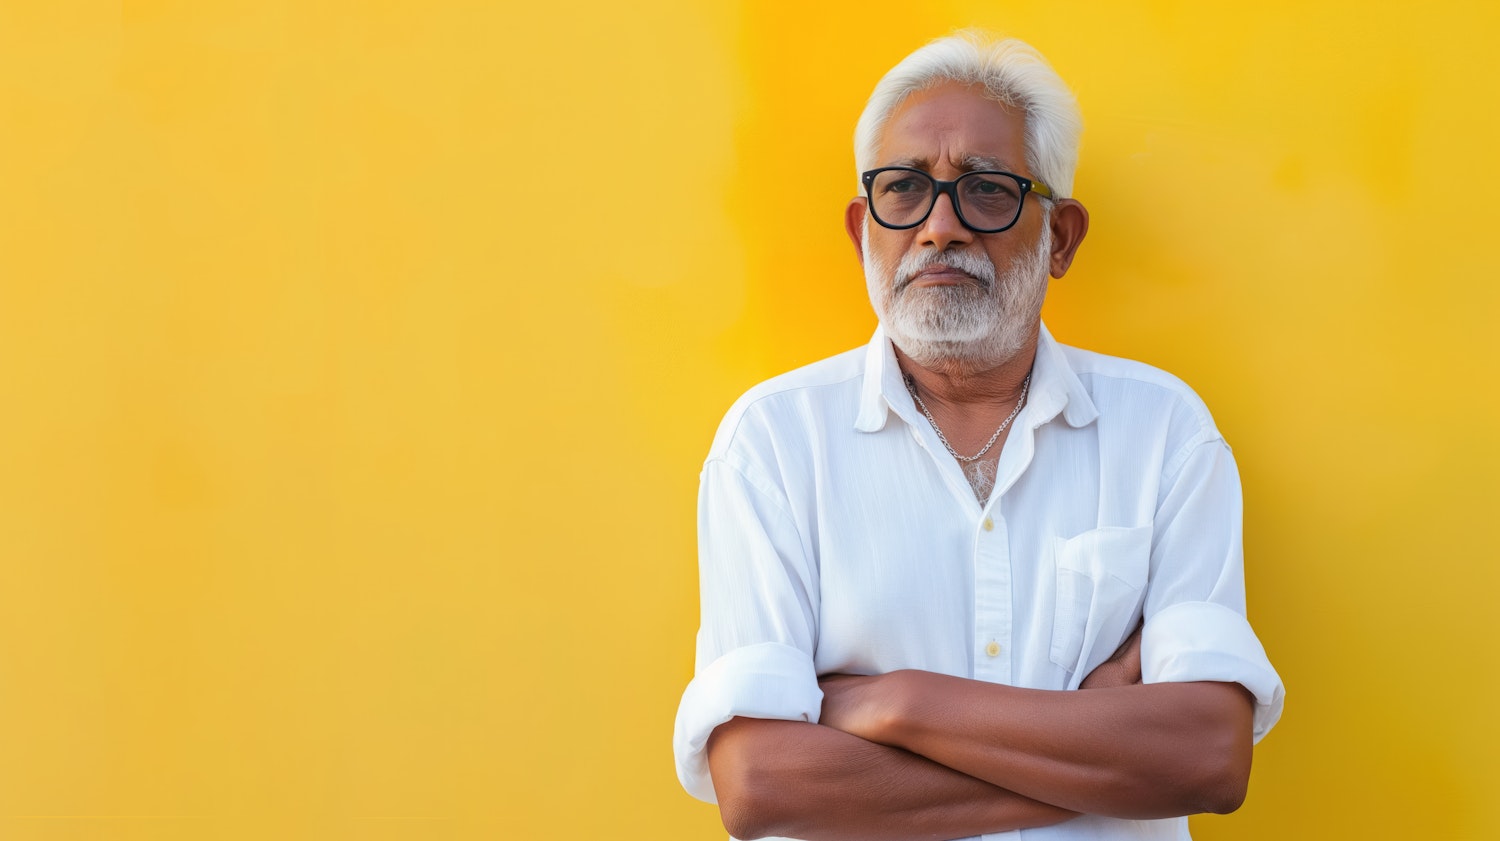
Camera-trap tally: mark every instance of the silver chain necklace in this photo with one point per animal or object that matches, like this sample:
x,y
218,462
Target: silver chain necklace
x,y
911,386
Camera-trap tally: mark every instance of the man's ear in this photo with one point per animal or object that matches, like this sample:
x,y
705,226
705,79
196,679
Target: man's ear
x,y
854,224
1070,221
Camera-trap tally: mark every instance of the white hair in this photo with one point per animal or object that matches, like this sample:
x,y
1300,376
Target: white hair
x,y
1011,72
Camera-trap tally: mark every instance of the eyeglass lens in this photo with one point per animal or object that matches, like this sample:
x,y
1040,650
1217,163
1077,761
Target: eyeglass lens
x,y
985,200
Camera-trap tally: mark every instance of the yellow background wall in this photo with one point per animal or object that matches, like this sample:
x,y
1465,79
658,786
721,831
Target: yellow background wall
x,y
357,360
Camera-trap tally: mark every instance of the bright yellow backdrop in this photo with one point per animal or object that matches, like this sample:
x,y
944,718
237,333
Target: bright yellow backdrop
x,y
357,360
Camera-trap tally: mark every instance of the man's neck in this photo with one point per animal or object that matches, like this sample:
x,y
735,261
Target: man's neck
x,y
966,386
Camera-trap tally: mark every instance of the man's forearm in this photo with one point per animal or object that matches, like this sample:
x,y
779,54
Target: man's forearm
x,y
815,782
1149,751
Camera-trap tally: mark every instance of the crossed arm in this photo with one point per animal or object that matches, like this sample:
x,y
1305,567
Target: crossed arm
x,y
920,755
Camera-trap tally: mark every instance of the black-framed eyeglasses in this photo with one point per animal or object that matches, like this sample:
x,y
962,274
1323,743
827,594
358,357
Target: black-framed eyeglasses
x,y
987,202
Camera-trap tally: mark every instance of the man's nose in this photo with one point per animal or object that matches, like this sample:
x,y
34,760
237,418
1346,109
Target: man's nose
x,y
942,228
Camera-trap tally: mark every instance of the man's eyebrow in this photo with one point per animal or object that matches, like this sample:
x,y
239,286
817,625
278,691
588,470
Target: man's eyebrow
x,y
975,163
970,163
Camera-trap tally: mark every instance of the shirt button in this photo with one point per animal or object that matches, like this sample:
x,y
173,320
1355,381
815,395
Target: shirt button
x,y
993,649
989,524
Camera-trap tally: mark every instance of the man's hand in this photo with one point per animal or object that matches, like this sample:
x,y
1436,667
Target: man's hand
x,y
1123,668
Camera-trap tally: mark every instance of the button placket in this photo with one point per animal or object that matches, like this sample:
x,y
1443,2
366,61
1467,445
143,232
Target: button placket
x,y
992,601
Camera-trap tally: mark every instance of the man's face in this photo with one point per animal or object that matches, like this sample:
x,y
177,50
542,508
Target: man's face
x,y
943,292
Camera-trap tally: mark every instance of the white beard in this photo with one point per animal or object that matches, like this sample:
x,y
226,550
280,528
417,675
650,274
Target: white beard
x,y
977,326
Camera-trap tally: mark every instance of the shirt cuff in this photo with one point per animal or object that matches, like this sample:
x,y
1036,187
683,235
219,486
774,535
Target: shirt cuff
x,y
766,680
1193,641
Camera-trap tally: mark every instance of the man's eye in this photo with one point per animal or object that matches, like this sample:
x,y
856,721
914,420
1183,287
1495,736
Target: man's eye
x,y
984,185
990,189
905,185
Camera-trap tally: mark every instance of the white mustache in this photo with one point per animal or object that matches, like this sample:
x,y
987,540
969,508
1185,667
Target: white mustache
x,y
975,265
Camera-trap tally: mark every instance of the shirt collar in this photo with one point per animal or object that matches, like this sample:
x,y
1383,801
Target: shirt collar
x,y
1055,387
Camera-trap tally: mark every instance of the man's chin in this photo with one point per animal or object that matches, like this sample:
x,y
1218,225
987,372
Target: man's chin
x,y
937,350
960,344
932,346
942,332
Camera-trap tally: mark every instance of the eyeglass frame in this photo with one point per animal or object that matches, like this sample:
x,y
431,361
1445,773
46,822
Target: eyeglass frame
x,y
941,187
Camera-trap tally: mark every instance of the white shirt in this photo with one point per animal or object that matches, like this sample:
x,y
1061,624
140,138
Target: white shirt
x,y
836,534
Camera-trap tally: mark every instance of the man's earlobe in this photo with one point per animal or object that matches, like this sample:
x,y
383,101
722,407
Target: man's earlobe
x,y
854,225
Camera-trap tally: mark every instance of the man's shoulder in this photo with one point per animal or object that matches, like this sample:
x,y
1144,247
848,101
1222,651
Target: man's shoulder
x,y
827,390
1126,386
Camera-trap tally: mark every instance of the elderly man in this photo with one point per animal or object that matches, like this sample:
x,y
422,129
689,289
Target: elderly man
x,y
966,580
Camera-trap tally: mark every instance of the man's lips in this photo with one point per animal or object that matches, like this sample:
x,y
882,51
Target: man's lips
x,y
941,275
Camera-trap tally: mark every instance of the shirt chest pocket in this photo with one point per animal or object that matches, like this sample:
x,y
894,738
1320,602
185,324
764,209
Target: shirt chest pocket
x,y
1101,580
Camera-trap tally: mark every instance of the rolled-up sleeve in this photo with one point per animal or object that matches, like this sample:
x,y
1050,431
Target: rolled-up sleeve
x,y
769,680
1195,620
758,590
1193,641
